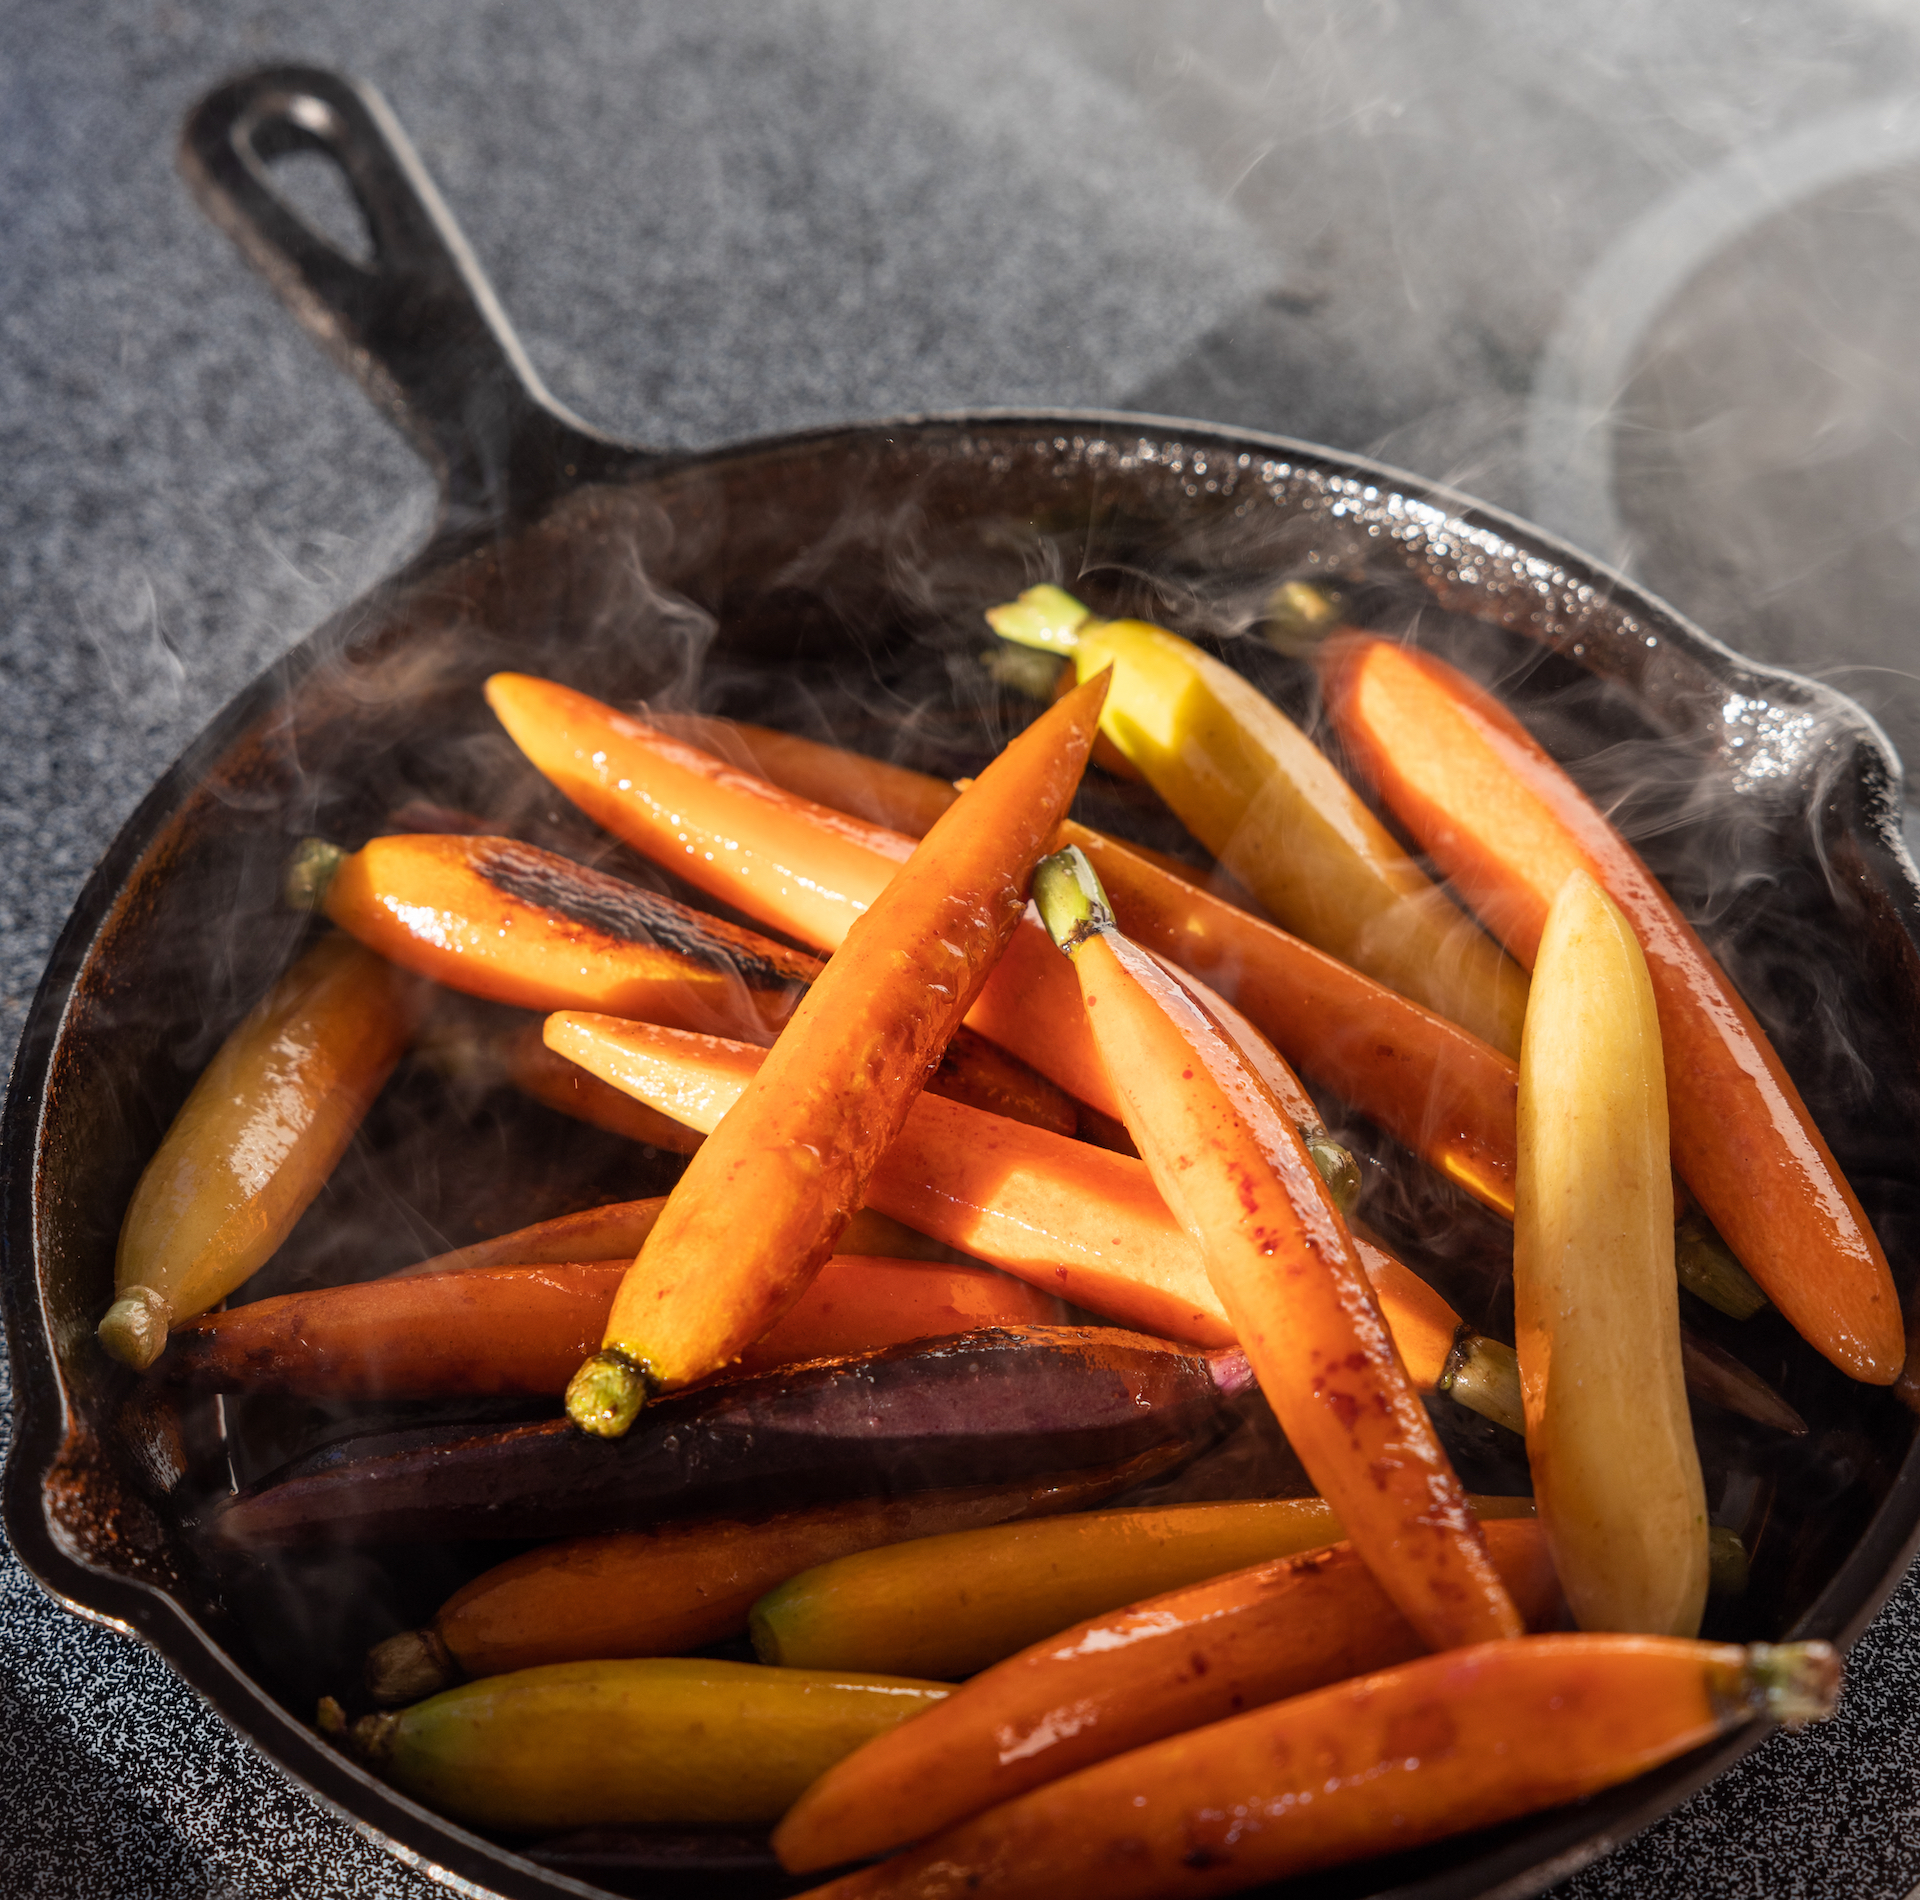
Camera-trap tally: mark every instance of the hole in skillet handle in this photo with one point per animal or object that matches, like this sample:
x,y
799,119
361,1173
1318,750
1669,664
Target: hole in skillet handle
x,y
402,304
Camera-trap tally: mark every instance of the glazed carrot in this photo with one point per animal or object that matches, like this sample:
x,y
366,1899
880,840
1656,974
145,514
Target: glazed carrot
x,y
503,920
1613,1459
621,1227
255,1140
526,1328
630,1744
1123,1679
796,866
1233,1170
795,1155
948,1606
1439,1746
1256,791
678,1586
1508,825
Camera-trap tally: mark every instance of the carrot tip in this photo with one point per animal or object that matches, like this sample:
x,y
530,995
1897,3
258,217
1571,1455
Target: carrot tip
x,y
1070,898
409,1667
1795,1682
605,1396
309,871
135,1328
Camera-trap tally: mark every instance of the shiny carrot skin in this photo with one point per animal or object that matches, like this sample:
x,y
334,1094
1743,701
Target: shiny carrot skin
x,y
504,920
793,1159
1431,1084
1389,1761
678,1586
799,867
525,1329
1508,825
256,1140
1121,1680
1233,1170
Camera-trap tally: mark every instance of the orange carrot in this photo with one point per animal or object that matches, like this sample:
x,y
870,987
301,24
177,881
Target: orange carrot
x,y
568,1089
1070,1219
677,1586
526,1328
1508,825
798,867
763,1201
1385,1762
497,918
1233,1170
256,1139
1118,1681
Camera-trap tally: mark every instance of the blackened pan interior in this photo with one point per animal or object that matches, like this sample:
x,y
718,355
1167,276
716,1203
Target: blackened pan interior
x,y
833,583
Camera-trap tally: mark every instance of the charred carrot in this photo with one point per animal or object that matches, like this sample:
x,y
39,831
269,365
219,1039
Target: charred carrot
x,y
503,920
1439,1746
1125,1678
622,1744
255,1140
676,1587
526,1328
796,866
800,1146
1256,791
1508,825
1618,1479
948,1606
1234,1171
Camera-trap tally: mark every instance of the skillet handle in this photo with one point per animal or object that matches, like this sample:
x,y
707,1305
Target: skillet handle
x,y
418,325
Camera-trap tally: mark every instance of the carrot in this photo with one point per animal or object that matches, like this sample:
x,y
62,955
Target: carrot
x,y
1385,1762
687,1743
500,919
1233,1170
679,1586
526,1328
255,1140
949,1606
1256,791
797,1151
1123,1679
1508,825
1614,1463
796,866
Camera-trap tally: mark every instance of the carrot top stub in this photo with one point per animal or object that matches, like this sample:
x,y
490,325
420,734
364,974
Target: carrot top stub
x,y
1232,1169
760,1206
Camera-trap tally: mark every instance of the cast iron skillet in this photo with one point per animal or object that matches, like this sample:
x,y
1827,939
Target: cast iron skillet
x,y
835,579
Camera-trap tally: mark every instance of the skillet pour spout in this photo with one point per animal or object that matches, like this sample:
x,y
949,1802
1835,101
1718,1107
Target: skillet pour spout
x,y
843,570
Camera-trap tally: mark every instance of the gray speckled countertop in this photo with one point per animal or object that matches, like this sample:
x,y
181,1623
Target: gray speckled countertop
x,y
1358,223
